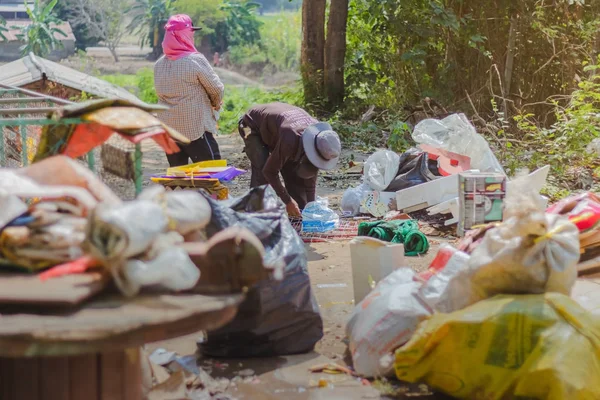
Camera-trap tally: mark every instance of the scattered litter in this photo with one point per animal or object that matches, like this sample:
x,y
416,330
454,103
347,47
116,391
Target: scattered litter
x,y
331,285
380,169
162,356
245,373
397,231
323,383
318,217
456,134
331,368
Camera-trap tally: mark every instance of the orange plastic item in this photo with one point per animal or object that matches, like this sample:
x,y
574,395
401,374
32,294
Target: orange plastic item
x,y
78,266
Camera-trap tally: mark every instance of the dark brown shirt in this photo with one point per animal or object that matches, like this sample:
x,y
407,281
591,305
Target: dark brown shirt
x,y
281,126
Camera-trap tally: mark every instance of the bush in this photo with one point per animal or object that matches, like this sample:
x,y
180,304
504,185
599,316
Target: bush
x,y
279,46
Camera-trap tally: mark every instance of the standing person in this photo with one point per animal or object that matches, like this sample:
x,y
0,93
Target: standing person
x,y
185,82
280,138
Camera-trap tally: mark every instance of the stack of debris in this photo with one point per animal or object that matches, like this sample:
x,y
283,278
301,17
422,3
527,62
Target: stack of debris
x,y
451,172
503,291
206,175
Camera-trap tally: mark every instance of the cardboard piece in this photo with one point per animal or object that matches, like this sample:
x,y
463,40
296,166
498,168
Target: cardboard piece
x,y
66,290
372,260
427,194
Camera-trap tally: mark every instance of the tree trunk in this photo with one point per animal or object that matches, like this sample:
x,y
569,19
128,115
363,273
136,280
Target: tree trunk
x,y
313,46
113,52
335,53
510,60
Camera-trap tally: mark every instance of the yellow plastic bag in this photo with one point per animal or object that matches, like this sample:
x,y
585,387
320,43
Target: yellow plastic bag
x,y
529,347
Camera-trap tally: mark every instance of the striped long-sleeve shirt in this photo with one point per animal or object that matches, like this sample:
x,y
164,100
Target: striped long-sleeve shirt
x,y
192,90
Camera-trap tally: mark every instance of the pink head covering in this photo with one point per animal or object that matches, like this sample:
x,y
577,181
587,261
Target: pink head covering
x,y
179,37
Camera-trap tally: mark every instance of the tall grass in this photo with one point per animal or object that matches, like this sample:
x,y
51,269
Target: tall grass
x,y
280,43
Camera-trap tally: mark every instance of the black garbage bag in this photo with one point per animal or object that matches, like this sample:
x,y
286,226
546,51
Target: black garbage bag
x,y
415,168
277,317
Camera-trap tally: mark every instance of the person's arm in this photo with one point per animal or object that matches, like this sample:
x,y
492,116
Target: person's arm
x,y
310,185
273,166
210,81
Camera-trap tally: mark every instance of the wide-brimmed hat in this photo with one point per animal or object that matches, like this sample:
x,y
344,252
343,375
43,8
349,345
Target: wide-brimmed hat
x,y
180,22
322,145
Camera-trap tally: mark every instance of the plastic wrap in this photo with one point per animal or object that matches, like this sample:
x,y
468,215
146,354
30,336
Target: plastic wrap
x,y
380,169
456,134
188,211
318,217
277,318
124,231
353,198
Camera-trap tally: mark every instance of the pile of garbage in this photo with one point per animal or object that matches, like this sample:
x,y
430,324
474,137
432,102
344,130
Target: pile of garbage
x,y
426,176
491,318
166,241
206,175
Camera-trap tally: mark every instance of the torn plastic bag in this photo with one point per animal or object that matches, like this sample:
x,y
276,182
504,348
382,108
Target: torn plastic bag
x,y
456,134
353,198
533,347
384,321
277,318
415,171
380,169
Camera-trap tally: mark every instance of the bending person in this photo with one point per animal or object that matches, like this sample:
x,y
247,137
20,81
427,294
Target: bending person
x,y
280,138
185,82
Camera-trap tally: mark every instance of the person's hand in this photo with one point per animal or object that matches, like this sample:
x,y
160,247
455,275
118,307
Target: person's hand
x,y
292,209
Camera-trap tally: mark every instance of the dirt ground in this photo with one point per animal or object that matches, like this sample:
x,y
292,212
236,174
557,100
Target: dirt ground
x,y
329,264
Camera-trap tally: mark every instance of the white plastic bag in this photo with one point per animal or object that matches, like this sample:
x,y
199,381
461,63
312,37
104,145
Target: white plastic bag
x,y
188,210
318,217
353,198
456,134
172,269
380,169
516,258
124,231
385,320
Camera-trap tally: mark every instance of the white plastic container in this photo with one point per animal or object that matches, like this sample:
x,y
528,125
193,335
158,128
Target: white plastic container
x,y
372,260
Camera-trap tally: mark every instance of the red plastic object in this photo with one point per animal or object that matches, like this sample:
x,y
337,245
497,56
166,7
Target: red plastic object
x,y
439,263
78,266
582,209
449,163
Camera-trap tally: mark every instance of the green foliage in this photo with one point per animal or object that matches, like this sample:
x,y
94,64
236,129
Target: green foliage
x,y
84,36
401,52
40,36
563,144
237,99
148,20
205,13
279,47
240,26
140,84
2,28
